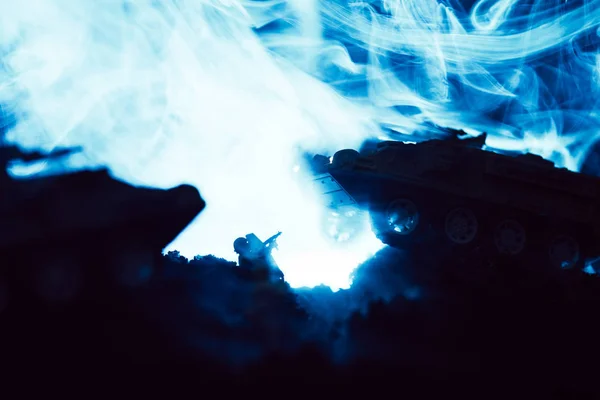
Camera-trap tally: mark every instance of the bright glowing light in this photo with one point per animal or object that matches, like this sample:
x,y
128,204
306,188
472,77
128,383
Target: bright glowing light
x,y
184,91
225,95
317,262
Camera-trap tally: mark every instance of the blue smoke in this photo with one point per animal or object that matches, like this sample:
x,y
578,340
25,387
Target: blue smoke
x,y
226,94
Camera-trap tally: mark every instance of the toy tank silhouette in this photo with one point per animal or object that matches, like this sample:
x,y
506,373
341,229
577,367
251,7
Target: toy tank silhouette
x,y
79,234
450,195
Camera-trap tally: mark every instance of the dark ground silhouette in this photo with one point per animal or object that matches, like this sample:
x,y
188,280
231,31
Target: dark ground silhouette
x,y
403,325
411,323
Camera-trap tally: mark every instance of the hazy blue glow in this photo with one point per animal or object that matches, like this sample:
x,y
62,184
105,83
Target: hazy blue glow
x,y
222,94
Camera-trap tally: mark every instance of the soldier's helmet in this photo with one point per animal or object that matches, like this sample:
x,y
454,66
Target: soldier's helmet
x,y
241,246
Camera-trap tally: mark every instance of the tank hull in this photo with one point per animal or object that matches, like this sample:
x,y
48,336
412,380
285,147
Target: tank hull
x,y
459,199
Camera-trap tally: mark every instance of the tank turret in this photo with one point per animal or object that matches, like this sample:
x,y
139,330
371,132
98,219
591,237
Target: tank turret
x,y
453,195
76,235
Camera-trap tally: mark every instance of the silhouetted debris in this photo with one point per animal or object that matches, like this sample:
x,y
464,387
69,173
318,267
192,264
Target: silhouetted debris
x,y
198,319
81,235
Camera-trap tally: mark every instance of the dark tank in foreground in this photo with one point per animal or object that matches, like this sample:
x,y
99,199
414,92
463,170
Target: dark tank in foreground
x,y
453,197
79,234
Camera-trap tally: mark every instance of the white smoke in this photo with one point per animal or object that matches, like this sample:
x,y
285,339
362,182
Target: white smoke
x,y
185,92
188,91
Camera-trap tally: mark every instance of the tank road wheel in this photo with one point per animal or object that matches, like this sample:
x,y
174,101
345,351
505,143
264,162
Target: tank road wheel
x,y
402,217
399,225
461,225
564,251
510,237
344,158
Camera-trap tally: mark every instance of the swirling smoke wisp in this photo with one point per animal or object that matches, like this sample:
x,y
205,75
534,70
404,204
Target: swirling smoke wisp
x,y
227,94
